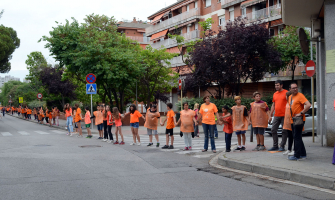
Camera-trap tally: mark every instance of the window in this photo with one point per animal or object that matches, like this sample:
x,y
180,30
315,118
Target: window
x,y
208,3
196,26
280,30
279,3
244,12
196,4
188,8
219,1
231,15
272,32
271,2
188,29
222,21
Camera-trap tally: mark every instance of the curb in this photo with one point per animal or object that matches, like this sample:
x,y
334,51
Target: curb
x,y
304,178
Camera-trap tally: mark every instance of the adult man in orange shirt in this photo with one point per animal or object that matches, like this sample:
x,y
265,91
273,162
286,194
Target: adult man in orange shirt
x,y
299,105
278,107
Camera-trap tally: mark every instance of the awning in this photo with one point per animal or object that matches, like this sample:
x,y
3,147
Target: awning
x,y
184,24
277,22
166,14
140,30
158,35
173,50
250,3
184,4
157,18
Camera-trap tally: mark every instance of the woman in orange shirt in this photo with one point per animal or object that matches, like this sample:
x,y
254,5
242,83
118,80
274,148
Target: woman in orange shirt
x,y
117,119
134,123
104,112
57,113
41,114
99,120
77,119
68,115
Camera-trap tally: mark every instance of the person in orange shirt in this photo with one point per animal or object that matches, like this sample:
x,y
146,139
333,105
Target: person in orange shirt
x,y
23,112
68,115
228,126
18,111
42,115
206,113
77,119
99,120
240,118
187,120
151,122
57,113
259,115
287,129
35,113
13,110
171,120
50,117
54,115
28,113
117,120
104,113
88,122
134,123
110,124
299,105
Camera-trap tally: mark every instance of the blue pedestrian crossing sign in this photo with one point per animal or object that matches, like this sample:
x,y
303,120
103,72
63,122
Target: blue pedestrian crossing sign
x,y
91,88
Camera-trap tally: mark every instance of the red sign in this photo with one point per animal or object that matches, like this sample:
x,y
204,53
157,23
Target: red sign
x,y
90,78
39,96
10,101
179,83
310,68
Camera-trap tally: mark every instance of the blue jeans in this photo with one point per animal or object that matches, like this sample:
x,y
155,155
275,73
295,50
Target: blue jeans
x,y
228,140
209,132
216,131
69,124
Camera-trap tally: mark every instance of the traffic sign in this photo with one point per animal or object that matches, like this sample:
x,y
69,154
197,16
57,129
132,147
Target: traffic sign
x,y
310,68
90,78
39,96
179,84
10,101
91,88
20,99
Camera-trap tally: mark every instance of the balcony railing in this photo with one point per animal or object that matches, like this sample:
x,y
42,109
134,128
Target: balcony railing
x,y
139,39
172,42
176,61
226,1
265,13
173,21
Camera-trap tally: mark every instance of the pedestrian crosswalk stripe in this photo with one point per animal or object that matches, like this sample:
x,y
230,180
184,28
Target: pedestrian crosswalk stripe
x,y
56,131
41,132
6,134
23,133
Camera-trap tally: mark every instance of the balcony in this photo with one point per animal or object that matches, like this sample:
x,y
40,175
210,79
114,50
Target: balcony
x,y
141,40
168,43
272,11
228,3
178,19
176,61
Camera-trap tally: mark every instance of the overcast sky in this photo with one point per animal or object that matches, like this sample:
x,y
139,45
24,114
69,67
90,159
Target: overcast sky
x,y
34,18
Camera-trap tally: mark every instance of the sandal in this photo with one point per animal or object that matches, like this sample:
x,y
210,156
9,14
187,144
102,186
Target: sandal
x,y
214,151
204,150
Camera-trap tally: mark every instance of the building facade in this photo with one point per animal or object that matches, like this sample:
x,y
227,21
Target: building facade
x,y
5,79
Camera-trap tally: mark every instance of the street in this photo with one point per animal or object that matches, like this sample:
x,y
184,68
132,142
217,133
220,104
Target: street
x,y
38,162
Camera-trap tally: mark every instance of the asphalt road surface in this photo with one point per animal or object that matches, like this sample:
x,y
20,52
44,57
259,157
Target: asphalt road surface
x,y
38,162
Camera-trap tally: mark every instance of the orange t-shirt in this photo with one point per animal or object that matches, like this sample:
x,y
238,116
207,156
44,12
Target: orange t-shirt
x,y
186,119
240,122
170,123
50,115
134,117
228,127
258,115
87,117
297,105
29,111
279,98
77,117
23,110
98,117
151,120
287,118
207,112
68,112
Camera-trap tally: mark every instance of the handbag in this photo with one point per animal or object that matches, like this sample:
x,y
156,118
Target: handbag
x,y
296,120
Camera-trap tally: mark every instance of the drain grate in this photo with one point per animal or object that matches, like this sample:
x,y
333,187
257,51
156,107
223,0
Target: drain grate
x,y
89,146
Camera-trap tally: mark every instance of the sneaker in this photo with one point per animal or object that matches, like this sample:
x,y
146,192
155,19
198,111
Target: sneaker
x,y
256,148
157,145
104,140
170,147
88,136
228,150
291,154
132,143
281,149
186,149
122,143
303,158
110,141
189,148
116,142
242,148
287,152
292,158
165,147
215,137
274,149
150,144
261,148
139,144
79,136
238,149
100,138
70,134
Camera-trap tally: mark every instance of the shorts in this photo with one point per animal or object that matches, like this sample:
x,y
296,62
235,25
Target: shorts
x,y
259,130
87,125
240,132
135,125
150,132
169,132
100,127
78,121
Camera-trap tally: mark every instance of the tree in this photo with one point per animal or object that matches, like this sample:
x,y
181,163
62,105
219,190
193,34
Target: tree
x,y
16,89
8,43
237,54
51,78
287,44
156,77
96,47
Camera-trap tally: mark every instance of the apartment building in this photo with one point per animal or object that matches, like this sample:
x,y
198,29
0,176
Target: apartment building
x,y
135,30
5,79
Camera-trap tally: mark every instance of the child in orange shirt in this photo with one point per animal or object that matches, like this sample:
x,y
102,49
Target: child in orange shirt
x,y
77,119
117,120
151,122
50,117
88,122
99,121
171,120
135,123
228,127
42,115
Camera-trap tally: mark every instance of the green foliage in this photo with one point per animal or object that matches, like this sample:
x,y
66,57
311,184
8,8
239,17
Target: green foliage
x,y
35,63
37,103
207,24
8,43
16,89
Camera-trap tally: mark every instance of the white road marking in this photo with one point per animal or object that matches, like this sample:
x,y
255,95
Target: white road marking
x,y
6,134
59,132
23,133
41,132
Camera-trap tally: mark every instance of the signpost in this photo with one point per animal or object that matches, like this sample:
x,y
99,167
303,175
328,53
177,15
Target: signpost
x,y
310,71
91,88
39,96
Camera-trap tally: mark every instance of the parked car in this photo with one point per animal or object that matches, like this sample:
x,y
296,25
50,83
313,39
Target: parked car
x,y
307,127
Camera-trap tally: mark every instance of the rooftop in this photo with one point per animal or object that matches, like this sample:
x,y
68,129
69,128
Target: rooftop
x,y
167,7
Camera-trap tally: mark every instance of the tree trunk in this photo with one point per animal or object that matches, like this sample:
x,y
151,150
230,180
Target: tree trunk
x,y
115,97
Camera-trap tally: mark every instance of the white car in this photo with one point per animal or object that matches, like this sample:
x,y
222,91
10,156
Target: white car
x,y
308,123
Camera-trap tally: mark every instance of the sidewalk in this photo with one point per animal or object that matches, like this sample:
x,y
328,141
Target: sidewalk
x,y
316,170
126,130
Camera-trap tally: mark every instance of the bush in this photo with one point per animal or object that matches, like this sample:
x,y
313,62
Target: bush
x,y
37,103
